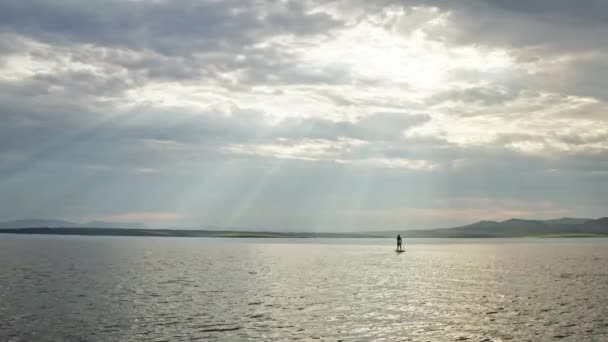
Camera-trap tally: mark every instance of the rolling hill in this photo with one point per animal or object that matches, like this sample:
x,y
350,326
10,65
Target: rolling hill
x,y
518,228
564,227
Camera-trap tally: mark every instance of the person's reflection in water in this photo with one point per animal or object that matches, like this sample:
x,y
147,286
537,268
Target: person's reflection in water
x,y
399,248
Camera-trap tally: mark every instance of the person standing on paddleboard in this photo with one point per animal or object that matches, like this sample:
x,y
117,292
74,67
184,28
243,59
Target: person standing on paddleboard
x,y
399,248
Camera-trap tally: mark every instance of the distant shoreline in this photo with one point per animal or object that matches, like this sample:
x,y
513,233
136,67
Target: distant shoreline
x,y
274,235
177,233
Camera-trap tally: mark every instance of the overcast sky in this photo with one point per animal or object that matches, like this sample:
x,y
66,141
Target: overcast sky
x,y
303,115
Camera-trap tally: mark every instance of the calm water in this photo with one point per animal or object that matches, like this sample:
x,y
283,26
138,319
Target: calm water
x,y
155,289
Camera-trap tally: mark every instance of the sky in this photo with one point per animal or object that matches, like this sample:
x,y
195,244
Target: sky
x,y
303,115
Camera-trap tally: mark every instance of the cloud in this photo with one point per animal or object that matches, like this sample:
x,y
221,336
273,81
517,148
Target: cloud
x,y
306,149
487,96
178,27
261,113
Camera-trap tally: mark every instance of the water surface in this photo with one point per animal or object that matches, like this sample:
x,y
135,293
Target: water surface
x,y
153,289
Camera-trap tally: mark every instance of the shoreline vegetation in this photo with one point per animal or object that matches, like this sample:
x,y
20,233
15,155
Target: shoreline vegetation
x,y
514,228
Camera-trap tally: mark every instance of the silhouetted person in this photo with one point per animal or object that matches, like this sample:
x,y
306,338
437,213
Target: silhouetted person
x,y
399,248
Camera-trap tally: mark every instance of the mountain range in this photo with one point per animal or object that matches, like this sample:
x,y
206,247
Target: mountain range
x,y
43,223
517,228
564,227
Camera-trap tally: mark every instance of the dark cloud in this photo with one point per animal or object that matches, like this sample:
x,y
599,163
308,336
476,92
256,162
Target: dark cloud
x,y
581,76
171,40
80,82
556,26
590,12
167,27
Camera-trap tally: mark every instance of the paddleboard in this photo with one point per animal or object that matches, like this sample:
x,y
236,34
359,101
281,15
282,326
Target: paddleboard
x,y
399,251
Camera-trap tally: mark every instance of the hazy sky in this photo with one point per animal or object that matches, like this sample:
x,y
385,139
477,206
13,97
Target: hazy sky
x,y
303,115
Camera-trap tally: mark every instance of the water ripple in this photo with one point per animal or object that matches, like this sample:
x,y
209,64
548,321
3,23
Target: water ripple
x,y
136,289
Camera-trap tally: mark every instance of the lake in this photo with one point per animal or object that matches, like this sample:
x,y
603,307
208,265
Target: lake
x,y
69,288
